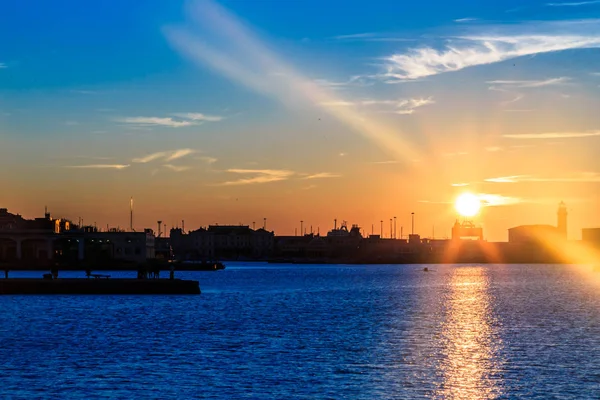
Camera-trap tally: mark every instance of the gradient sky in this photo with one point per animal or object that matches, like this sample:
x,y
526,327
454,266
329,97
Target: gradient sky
x,y
301,110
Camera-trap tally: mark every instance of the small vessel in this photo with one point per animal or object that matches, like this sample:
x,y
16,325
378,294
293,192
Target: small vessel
x,y
425,269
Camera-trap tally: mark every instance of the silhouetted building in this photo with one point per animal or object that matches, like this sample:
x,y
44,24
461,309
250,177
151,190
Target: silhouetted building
x,y
198,245
31,241
466,230
91,246
591,236
163,249
562,219
533,234
222,242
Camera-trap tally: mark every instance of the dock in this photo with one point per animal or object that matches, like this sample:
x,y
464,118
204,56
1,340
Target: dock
x,y
33,286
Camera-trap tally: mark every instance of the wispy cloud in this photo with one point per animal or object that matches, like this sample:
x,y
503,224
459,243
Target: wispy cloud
x,y
573,4
99,166
462,20
180,153
494,200
386,162
94,157
338,103
506,179
217,40
258,176
353,81
150,157
354,36
3,65
552,135
370,37
165,155
460,184
199,117
493,149
155,121
521,84
322,175
208,160
518,97
176,168
400,106
581,177
83,91
496,45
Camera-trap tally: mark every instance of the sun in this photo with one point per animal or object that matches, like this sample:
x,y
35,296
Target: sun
x,y
467,204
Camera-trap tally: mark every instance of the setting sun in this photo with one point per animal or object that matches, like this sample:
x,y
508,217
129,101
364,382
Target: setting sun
x,y
467,204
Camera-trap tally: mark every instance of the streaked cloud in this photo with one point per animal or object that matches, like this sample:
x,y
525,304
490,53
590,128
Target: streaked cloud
x,y
151,157
258,176
494,200
552,135
505,179
3,65
354,36
580,177
494,44
208,160
338,103
460,184
322,175
573,4
165,155
513,100
179,154
216,39
521,84
370,37
155,121
493,149
93,157
83,91
462,20
99,166
400,106
386,162
176,168
199,117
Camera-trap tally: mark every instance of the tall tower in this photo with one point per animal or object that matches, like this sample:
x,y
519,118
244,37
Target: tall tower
x,y
562,219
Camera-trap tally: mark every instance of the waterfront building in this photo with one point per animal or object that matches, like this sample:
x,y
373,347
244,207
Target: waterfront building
x,y
222,242
591,236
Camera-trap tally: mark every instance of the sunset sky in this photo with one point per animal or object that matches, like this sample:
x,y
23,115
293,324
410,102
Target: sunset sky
x,y
308,110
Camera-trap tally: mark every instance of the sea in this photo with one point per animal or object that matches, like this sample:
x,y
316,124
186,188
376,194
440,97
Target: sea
x,y
273,331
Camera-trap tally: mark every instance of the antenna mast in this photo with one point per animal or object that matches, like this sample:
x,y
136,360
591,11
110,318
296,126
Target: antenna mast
x,y
131,214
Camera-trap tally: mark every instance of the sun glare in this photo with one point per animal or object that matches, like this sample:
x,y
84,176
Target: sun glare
x,y
467,204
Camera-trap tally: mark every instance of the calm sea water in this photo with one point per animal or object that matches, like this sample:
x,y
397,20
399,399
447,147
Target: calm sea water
x,y
338,332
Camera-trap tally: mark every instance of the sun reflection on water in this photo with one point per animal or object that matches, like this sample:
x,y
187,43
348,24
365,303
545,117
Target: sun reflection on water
x,y
470,366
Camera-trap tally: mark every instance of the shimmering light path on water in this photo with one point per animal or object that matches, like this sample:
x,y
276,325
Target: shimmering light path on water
x,y
284,331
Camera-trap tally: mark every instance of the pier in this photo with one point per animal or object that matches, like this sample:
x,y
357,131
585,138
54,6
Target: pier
x,y
97,286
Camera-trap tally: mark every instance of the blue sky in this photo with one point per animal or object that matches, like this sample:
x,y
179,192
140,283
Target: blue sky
x,y
285,104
